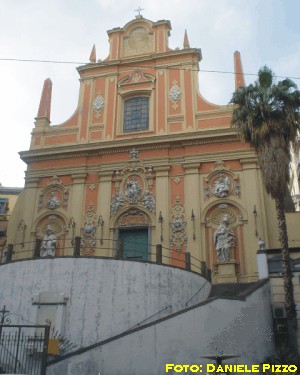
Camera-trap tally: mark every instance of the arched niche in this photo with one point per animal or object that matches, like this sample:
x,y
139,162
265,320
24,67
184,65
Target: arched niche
x,y
235,221
59,228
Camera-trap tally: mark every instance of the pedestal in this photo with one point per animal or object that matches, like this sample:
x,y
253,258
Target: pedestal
x,y
227,272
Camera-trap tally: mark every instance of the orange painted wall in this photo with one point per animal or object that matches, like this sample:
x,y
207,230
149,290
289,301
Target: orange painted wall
x,y
67,138
189,98
214,122
112,103
85,112
96,135
72,121
161,105
91,195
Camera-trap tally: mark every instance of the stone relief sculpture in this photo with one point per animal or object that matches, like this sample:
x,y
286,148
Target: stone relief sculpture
x,y
132,186
221,182
53,202
98,104
224,240
133,190
177,225
134,153
117,202
149,201
175,94
88,232
54,195
178,235
89,229
49,243
221,186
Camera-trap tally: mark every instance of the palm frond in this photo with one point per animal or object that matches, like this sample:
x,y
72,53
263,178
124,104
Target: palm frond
x,y
265,77
263,114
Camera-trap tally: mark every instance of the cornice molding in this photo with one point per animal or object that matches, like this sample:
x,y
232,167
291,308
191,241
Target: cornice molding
x,y
125,145
152,57
160,165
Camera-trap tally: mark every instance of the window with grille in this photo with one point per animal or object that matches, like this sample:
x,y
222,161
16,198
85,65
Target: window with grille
x,y
136,114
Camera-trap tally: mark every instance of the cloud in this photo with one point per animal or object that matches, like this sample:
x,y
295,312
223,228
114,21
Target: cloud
x,y
67,30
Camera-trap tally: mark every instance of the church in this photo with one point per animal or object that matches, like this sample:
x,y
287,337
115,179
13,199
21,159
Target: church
x,y
143,216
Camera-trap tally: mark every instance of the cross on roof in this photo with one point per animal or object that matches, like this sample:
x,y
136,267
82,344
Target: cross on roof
x,y
139,9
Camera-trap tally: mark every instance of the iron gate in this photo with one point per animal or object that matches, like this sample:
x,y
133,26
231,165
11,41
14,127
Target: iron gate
x,y
23,349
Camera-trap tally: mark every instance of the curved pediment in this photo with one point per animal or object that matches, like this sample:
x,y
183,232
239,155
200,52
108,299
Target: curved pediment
x,y
138,22
136,76
139,37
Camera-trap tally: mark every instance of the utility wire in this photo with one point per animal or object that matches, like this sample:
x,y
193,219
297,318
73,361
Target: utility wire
x,y
145,67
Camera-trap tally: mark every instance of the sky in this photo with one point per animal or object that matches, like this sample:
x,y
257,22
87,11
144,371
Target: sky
x,y
266,32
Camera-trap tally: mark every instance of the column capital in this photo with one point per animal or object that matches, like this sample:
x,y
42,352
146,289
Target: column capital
x,y
162,170
191,167
79,177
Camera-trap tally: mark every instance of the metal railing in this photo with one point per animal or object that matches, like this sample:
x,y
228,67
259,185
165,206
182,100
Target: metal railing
x,y
109,249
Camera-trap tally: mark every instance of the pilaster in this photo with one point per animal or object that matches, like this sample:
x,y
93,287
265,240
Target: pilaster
x,y
77,203
104,199
251,198
192,206
162,206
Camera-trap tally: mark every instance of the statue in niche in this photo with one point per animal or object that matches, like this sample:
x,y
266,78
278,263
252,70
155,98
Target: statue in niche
x,y
53,201
49,243
221,188
133,190
224,240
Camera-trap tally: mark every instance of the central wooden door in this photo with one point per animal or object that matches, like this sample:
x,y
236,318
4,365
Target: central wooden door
x,y
134,243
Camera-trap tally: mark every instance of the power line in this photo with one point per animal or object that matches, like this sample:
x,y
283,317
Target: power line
x,y
165,67
42,61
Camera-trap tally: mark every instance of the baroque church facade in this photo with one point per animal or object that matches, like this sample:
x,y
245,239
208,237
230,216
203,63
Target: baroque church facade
x,y
146,159
145,182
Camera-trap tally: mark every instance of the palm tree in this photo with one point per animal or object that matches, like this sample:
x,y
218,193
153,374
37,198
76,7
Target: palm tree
x,y
267,115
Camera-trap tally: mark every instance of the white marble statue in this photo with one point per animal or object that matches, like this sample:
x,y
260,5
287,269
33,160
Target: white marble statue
x,y
224,239
49,243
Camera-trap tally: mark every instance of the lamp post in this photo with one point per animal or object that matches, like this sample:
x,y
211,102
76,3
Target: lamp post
x,y
160,220
193,221
101,224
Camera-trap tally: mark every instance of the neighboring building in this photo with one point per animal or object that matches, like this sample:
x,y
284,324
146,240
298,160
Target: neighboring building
x,y
295,175
8,199
145,160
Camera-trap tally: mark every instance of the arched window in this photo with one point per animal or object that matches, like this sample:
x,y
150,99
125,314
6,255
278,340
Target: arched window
x,y
136,114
